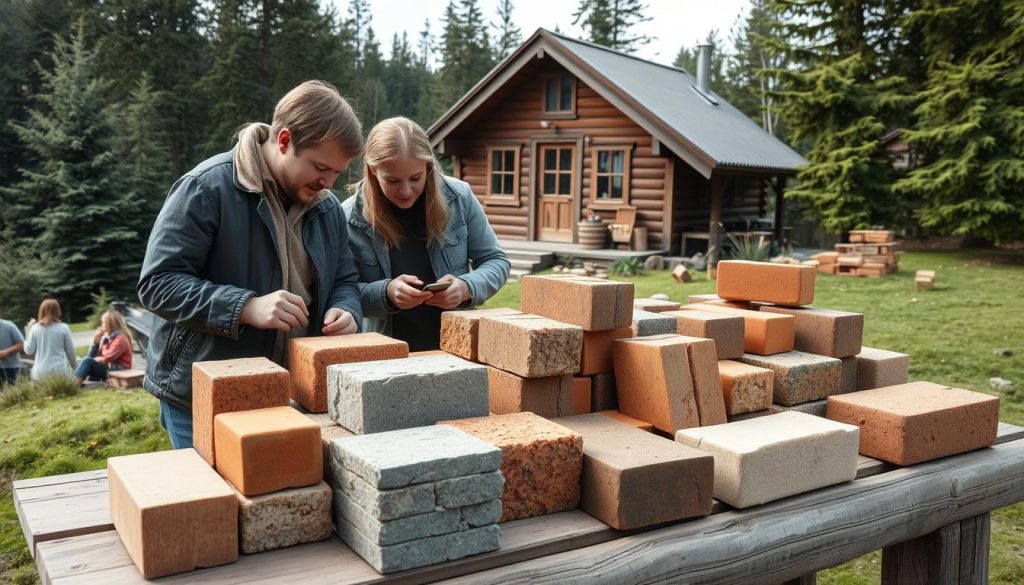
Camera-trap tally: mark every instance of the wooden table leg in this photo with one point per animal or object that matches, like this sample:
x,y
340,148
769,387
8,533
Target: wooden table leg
x,y
956,554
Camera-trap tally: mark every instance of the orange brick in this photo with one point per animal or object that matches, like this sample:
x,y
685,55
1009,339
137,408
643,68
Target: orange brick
x,y
591,303
825,332
603,395
548,397
269,449
540,460
681,275
597,350
783,284
763,333
655,305
694,299
581,395
529,345
745,388
652,375
725,330
460,330
628,420
308,358
229,386
707,387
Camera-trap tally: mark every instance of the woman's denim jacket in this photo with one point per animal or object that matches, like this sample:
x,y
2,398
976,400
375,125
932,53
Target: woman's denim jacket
x,y
469,243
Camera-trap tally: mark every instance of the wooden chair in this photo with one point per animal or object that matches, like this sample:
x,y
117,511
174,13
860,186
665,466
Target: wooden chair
x,y
622,228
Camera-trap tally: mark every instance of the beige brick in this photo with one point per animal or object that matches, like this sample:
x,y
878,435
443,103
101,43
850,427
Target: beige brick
x,y
229,386
284,518
530,346
910,423
681,275
591,303
460,330
877,368
826,332
783,284
154,492
652,375
725,330
655,305
763,333
548,397
745,388
596,357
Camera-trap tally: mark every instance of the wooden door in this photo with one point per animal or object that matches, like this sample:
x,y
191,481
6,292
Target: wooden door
x,y
556,190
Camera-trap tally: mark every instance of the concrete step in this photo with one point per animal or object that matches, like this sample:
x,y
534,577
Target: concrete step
x,y
517,273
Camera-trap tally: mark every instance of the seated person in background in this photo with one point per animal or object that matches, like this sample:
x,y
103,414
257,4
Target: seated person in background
x,y
111,350
49,340
11,343
410,226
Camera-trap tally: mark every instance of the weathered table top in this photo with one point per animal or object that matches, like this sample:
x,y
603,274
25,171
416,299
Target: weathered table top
x,y
67,525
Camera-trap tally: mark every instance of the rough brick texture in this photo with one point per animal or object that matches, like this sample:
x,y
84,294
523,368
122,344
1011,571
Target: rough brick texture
x,y
596,357
591,303
799,377
284,518
646,323
707,387
655,305
763,333
530,346
229,386
783,284
745,388
308,358
654,383
459,330
877,368
548,397
825,332
725,330
919,421
172,512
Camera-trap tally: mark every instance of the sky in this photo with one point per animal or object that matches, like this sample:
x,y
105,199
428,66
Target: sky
x,y
674,23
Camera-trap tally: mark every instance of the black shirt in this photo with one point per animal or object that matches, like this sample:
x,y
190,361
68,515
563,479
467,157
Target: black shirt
x,y
420,326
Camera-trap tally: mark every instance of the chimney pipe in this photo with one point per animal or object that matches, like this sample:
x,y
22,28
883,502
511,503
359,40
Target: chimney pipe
x,y
704,68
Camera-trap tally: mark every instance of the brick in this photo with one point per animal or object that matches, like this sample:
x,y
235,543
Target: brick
x,y
530,346
910,423
632,479
371,397
799,377
230,386
745,388
268,449
429,352
707,387
725,330
655,305
308,358
924,284
581,391
826,257
540,460
815,407
826,268
400,458
771,457
825,332
603,394
548,397
460,330
152,491
591,303
850,260
652,375
628,420
681,275
763,333
396,531
125,379
327,434
783,284
694,299
646,324
596,357
927,274
848,377
469,490
877,368
284,518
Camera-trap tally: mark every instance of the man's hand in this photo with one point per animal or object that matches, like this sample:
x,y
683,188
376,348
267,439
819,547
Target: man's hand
x,y
403,293
339,322
451,297
279,310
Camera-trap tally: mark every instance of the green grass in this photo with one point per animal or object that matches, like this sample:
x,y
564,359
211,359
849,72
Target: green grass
x,y
950,334
80,327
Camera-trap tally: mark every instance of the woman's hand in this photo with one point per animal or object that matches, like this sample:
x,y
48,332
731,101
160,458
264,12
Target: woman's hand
x,y
451,297
98,336
404,293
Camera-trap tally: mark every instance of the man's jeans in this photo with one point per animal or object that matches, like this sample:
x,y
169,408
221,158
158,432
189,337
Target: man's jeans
x,y
178,425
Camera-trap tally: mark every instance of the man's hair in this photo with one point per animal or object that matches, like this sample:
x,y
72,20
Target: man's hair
x,y
314,112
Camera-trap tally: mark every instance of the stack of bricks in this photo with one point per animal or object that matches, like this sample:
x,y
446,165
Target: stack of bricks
x,y
870,253
416,497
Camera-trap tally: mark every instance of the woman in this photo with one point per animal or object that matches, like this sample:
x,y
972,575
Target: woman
x,y
49,340
411,227
111,350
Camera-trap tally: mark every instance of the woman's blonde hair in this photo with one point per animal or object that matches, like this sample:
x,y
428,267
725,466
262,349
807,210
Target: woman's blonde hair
x,y
49,312
390,140
118,321
315,112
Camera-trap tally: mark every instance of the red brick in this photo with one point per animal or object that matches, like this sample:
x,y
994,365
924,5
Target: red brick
x,y
581,390
784,284
745,388
591,303
603,394
919,421
628,420
655,305
707,387
725,330
172,512
229,386
540,460
763,333
877,368
826,332
308,358
529,345
269,449
652,375
548,397
460,330
596,357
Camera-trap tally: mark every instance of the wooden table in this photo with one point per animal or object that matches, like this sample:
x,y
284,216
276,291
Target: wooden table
x,y
931,520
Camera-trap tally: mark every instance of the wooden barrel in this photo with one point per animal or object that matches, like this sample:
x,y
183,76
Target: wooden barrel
x,y
591,235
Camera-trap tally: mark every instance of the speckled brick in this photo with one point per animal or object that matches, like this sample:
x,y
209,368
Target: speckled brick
x,y
783,284
745,388
460,329
596,357
530,346
799,377
825,332
646,323
603,394
591,303
548,397
628,420
655,305
910,423
540,460
229,386
308,358
877,368
763,333
725,330
654,382
284,518
581,391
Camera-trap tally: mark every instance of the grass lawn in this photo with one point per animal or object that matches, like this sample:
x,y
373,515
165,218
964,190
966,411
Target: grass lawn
x,y
950,333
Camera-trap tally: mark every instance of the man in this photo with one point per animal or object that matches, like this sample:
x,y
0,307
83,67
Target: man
x,y
11,343
250,248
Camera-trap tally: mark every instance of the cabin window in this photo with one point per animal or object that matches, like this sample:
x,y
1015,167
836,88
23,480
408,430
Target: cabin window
x,y
503,172
560,95
610,175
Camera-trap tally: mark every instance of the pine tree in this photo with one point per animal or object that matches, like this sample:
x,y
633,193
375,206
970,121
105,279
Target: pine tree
x,y
608,22
754,69
508,33
147,164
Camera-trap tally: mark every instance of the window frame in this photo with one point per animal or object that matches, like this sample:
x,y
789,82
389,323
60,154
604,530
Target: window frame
x,y
492,198
559,114
627,173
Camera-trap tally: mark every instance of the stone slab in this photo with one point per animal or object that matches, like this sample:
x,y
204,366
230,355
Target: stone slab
x,y
405,529
469,490
387,504
646,323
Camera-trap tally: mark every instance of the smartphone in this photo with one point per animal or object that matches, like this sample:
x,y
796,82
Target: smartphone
x,y
437,286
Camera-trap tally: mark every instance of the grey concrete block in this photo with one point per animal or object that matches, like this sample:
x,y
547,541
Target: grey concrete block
x,y
816,407
385,504
469,490
480,515
284,518
398,530
377,396
472,542
799,377
647,323
409,456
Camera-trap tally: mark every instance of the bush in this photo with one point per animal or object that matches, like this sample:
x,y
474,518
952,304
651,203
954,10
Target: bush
x,y
100,304
25,281
627,267
747,247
